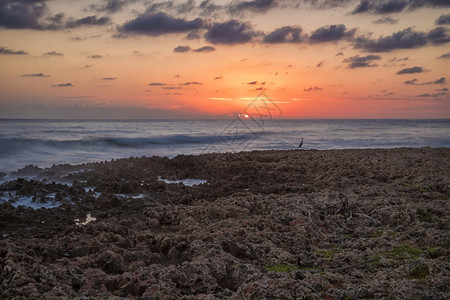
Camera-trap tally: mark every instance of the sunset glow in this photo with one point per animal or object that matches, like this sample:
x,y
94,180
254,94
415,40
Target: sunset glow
x,y
210,59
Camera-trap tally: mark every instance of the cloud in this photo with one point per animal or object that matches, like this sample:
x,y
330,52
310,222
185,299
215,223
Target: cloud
x,y
320,64
444,56
88,21
380,7
22,14
53,53
205,49
34,14
63,85
411,70
253,6
160,24
319,4
313,89
41,75
171,88
285,34
94,56
443,20
252,82
218,77
191,83
157,84
362,61
435,95
340,54
395,59
395,6
405,39
230,33
330,33
441,80
439,35
386,20
109,6
7,51
182,49
109,78
411,82
442,90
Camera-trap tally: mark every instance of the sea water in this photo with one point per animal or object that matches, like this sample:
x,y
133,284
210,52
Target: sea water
x,y
47,142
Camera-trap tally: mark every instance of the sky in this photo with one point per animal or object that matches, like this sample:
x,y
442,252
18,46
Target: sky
x,y
144,59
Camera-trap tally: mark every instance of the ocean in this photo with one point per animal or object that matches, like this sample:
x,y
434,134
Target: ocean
x,y
46,142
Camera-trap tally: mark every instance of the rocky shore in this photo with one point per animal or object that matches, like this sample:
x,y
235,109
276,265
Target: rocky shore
x,y
335,224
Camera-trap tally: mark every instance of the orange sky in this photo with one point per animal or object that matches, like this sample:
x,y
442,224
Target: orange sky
x,y
209,59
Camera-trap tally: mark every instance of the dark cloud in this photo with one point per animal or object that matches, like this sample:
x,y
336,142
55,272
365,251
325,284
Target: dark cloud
x,y
34,14
416,4
109,78
330,33
182,49
442,90
318,4
362,61
441,80
395,59
88,21
386,20
63,85
171,88
395,6
405,39
53,53
95,56
178,7
218,77
252,82
191,83
439,35
22,14
254,6
159,24
435,95
380,7
313,89
205,49
157,84
230,33
320,64
340,54
444,56
40,75
285,34
7,51
443,20
110,6
411,70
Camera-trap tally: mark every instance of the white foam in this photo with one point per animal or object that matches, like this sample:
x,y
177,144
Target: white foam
x,y
186,182
89,219
27,201
134,196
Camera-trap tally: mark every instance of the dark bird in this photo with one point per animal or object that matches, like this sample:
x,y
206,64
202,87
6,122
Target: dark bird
x,y
301,143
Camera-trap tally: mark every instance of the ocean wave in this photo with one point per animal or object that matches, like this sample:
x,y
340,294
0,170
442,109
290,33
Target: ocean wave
x,y
12,145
